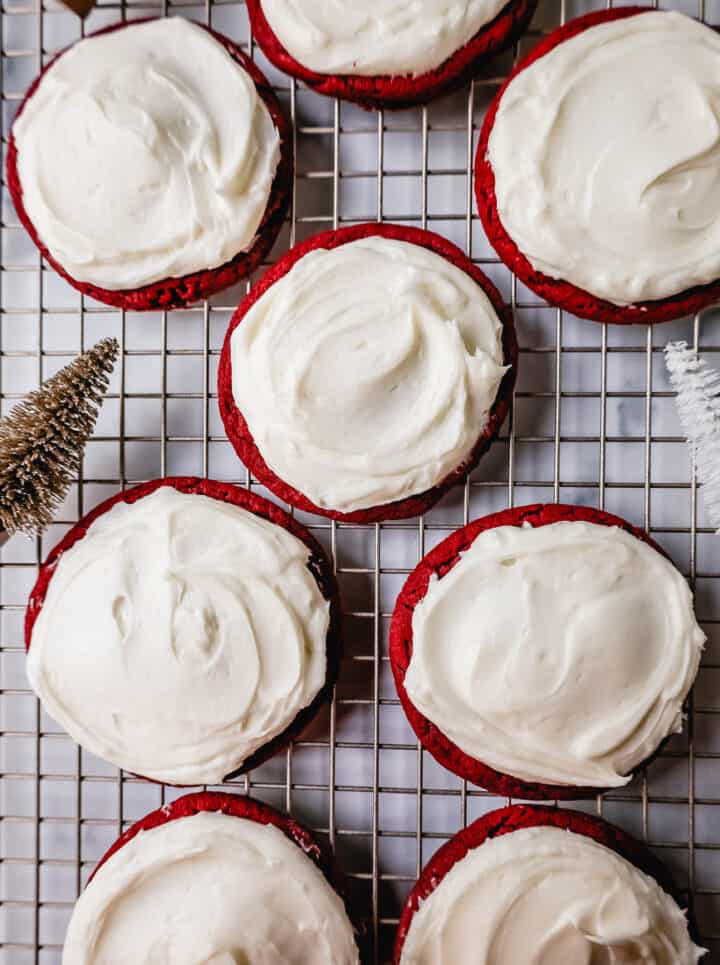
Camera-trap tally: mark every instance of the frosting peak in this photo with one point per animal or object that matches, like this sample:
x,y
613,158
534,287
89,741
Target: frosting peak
x,y
605,153
396,37
541,896
179,636
559,654
366,374
211,889
135,166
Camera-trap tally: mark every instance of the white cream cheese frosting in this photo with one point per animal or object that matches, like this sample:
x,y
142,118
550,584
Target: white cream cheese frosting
x,y
210,889
395,37
366,374
542,896
178,636
559,654
606,154
145,154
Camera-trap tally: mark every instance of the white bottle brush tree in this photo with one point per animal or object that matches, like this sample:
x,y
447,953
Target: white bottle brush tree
x,y
698,402
43,438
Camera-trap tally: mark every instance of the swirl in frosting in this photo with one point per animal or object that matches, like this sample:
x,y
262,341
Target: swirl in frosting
x,y
543,896
560,654
367,372
178,636
145,153
606,158
210,889
395,37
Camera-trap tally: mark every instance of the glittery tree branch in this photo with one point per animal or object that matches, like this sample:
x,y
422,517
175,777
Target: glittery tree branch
x,y
698,403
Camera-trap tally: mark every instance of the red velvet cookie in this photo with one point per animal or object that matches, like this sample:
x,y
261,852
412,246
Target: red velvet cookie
x,y
239,433
318,564
436,564
184,848
408,91
176,292
515,818
557,292
236,806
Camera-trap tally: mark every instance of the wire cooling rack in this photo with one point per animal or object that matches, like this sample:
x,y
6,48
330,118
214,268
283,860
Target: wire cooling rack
x,y
594,423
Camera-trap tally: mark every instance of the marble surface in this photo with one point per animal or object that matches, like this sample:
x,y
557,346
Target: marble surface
x,y
594,423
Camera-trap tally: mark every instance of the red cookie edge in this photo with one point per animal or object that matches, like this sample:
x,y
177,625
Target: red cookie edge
x,y
438,562
237,428
385,91
563,294
519,816
318,564
177,292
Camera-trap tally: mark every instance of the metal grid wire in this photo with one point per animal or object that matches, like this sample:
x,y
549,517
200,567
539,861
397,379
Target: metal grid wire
x,y
593,423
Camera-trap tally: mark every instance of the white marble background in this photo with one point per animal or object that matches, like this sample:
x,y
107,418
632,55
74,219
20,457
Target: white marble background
x,y
594,423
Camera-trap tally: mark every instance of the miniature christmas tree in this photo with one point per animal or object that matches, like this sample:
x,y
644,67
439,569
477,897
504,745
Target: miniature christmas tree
x,y
698,403
43,438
